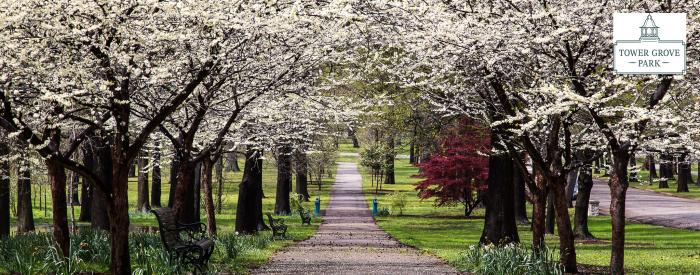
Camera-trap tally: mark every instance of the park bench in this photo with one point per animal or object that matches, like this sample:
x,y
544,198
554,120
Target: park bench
x,y
305,216
278,226
186,243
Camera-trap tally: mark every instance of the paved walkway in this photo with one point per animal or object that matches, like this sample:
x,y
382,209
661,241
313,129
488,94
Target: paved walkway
x,y
349,242
652,207
351,154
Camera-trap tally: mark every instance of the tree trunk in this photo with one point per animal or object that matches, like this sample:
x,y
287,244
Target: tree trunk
x,y
302,181
618,190
207,167
664,171
666,166
417,159
86,199
57,179
284,181
142,204
684,176
519,198
185,194
389,177
567,250
4,192
652,167
355,142
585,184
697,182
74,182
633,168
25,216
118,211
539,206
249,209
86,189
132,170
499,223
174,169
232,162
412,153
197,177
156,177
220,183
571,180
99,201
549,229
596,168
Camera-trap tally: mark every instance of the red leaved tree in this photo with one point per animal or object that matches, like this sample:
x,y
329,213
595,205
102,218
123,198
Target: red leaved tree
x,y
459,170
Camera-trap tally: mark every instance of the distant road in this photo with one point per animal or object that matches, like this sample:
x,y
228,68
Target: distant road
x,y
652,207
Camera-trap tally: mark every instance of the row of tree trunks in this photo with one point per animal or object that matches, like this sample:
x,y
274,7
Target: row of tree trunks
x,y
284,180
249,217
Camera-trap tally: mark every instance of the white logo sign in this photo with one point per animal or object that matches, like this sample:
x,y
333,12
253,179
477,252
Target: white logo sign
x,y
649,43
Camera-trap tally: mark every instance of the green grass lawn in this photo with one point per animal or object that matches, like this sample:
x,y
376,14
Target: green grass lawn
x,y
446,233
225,220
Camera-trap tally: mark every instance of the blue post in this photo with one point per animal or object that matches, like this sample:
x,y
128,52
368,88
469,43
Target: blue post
x,y
374,207
317,208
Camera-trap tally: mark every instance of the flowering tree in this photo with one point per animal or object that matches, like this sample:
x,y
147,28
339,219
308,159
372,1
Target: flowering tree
x,y
459,171
113,73
538,74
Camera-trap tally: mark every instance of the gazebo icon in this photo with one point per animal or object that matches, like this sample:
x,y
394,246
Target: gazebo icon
x,y
649,31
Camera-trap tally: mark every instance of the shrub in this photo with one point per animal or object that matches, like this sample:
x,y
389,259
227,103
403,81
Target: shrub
x,y
383,212
398,201
509,259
